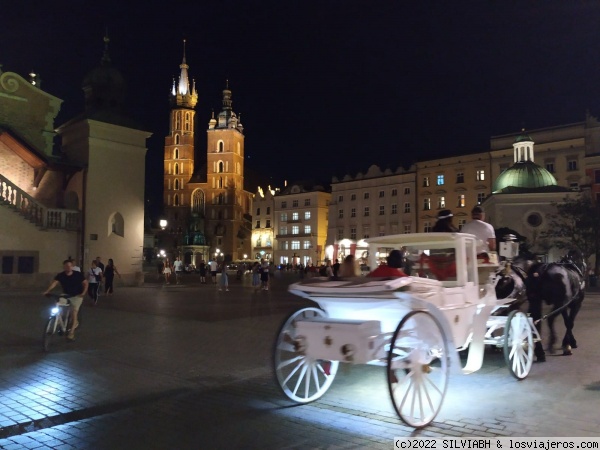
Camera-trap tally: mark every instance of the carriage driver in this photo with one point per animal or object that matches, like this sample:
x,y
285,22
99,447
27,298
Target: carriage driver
x,y
483,231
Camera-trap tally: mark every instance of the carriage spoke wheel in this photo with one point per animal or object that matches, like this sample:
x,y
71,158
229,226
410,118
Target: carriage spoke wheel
x,y
301,378
518,344
418,368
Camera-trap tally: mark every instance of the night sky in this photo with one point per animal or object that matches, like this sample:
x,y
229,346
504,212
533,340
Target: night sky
x,y
330,87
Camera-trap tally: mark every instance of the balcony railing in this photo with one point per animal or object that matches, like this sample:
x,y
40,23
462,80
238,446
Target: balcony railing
x,y
41,216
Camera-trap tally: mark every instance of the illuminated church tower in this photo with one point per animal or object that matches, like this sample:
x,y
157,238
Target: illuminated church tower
x,y
207,209
179,153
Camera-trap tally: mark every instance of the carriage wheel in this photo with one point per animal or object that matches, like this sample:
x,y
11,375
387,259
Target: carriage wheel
x,y
518,344
418,368
301,378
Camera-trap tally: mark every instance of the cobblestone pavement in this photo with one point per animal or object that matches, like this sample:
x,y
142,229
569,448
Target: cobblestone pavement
x,y
188,367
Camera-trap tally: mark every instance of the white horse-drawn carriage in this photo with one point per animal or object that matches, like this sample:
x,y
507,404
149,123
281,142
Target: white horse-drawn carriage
x,y
413,325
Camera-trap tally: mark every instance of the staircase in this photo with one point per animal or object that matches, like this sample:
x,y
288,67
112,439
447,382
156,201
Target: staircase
x,y
42,217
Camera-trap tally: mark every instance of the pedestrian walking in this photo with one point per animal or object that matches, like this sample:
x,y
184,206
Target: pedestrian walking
x,y
213,270
255,276
178,268
224,278
202,270
94,276
109,275
167,271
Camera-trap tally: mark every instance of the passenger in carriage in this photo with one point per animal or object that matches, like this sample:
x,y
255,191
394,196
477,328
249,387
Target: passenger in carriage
x,y
349,268
393,268
483,231
444,222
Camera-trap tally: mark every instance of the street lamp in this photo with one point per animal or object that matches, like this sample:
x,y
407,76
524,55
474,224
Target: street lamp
x,y
245,256
163,224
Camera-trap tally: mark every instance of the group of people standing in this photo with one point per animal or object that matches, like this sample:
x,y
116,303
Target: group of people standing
x,y
98,275
482,230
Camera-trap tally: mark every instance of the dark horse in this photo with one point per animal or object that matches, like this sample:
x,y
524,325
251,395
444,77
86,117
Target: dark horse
x,y
510,282
560,285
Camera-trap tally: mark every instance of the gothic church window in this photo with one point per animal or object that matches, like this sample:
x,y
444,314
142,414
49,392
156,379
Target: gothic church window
x,y
176,200
176,139
220,147
176,169
197,201
221,167
176,154
176,184
220,182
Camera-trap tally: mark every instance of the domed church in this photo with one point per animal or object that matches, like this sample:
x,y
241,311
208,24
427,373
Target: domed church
x,y
522,197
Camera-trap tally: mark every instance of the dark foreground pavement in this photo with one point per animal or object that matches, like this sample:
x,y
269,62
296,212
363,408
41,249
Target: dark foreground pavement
x,y
188,367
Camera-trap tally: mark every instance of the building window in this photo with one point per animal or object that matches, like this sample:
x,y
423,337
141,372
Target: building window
x,y
284,204
353,197
480,197
258,224
550,167
382,230
381,210
285,245
295,229
340,213
117,223
425,181
295,216
307,202
340,198
306,215
283,231
534,220
366,211
394,192
572,164
258,211
353,212
394,209
427,227
340,234
294,203
426,204
461,222
480,175
268,210
461,201
574,185
176,154
307,229
306,244
381,194
407,207
284,217
440,180
268,224
295,245
353,233
366,234
460,177
441,202
366,196
176,171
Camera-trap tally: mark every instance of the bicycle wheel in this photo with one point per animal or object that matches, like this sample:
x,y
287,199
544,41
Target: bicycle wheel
x,y
49,331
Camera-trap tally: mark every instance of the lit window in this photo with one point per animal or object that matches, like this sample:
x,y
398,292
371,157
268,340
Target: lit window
x,y
284,217
461,201
307,229
426,204
442,202
285,245
480,175
295,245
295,216
283,230
425,181
306,244
295,229
307,215
440,180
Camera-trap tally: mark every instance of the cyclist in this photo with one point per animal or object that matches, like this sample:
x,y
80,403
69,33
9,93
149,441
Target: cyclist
x,y
75,286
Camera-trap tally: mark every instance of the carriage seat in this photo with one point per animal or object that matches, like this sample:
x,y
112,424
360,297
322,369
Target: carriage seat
x,y
442,266
434,291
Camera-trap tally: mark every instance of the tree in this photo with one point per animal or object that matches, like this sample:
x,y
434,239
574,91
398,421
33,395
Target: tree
x,y
576,224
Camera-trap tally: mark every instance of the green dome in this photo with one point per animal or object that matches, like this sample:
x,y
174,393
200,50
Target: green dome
x,y
524,174
523,138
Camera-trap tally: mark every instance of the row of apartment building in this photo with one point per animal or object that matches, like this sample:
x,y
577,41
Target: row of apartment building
x,y
308,224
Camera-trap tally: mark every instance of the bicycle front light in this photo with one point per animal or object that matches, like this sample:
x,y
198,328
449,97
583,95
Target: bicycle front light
x,y
54,310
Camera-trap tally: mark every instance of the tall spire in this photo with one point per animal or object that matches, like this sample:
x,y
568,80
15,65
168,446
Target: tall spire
x,y
226,96
181,95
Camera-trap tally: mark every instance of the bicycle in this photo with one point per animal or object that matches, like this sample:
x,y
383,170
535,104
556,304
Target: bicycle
x,y
59,320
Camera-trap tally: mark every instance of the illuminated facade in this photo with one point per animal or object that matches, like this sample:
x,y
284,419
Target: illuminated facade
x,y
377,203
207,209
263,236
300,224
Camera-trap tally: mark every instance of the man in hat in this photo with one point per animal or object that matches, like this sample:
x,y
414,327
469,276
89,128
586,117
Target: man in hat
x,y
444,222
482,230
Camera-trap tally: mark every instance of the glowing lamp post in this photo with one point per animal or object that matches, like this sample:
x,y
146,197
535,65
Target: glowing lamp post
x,y
163,224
